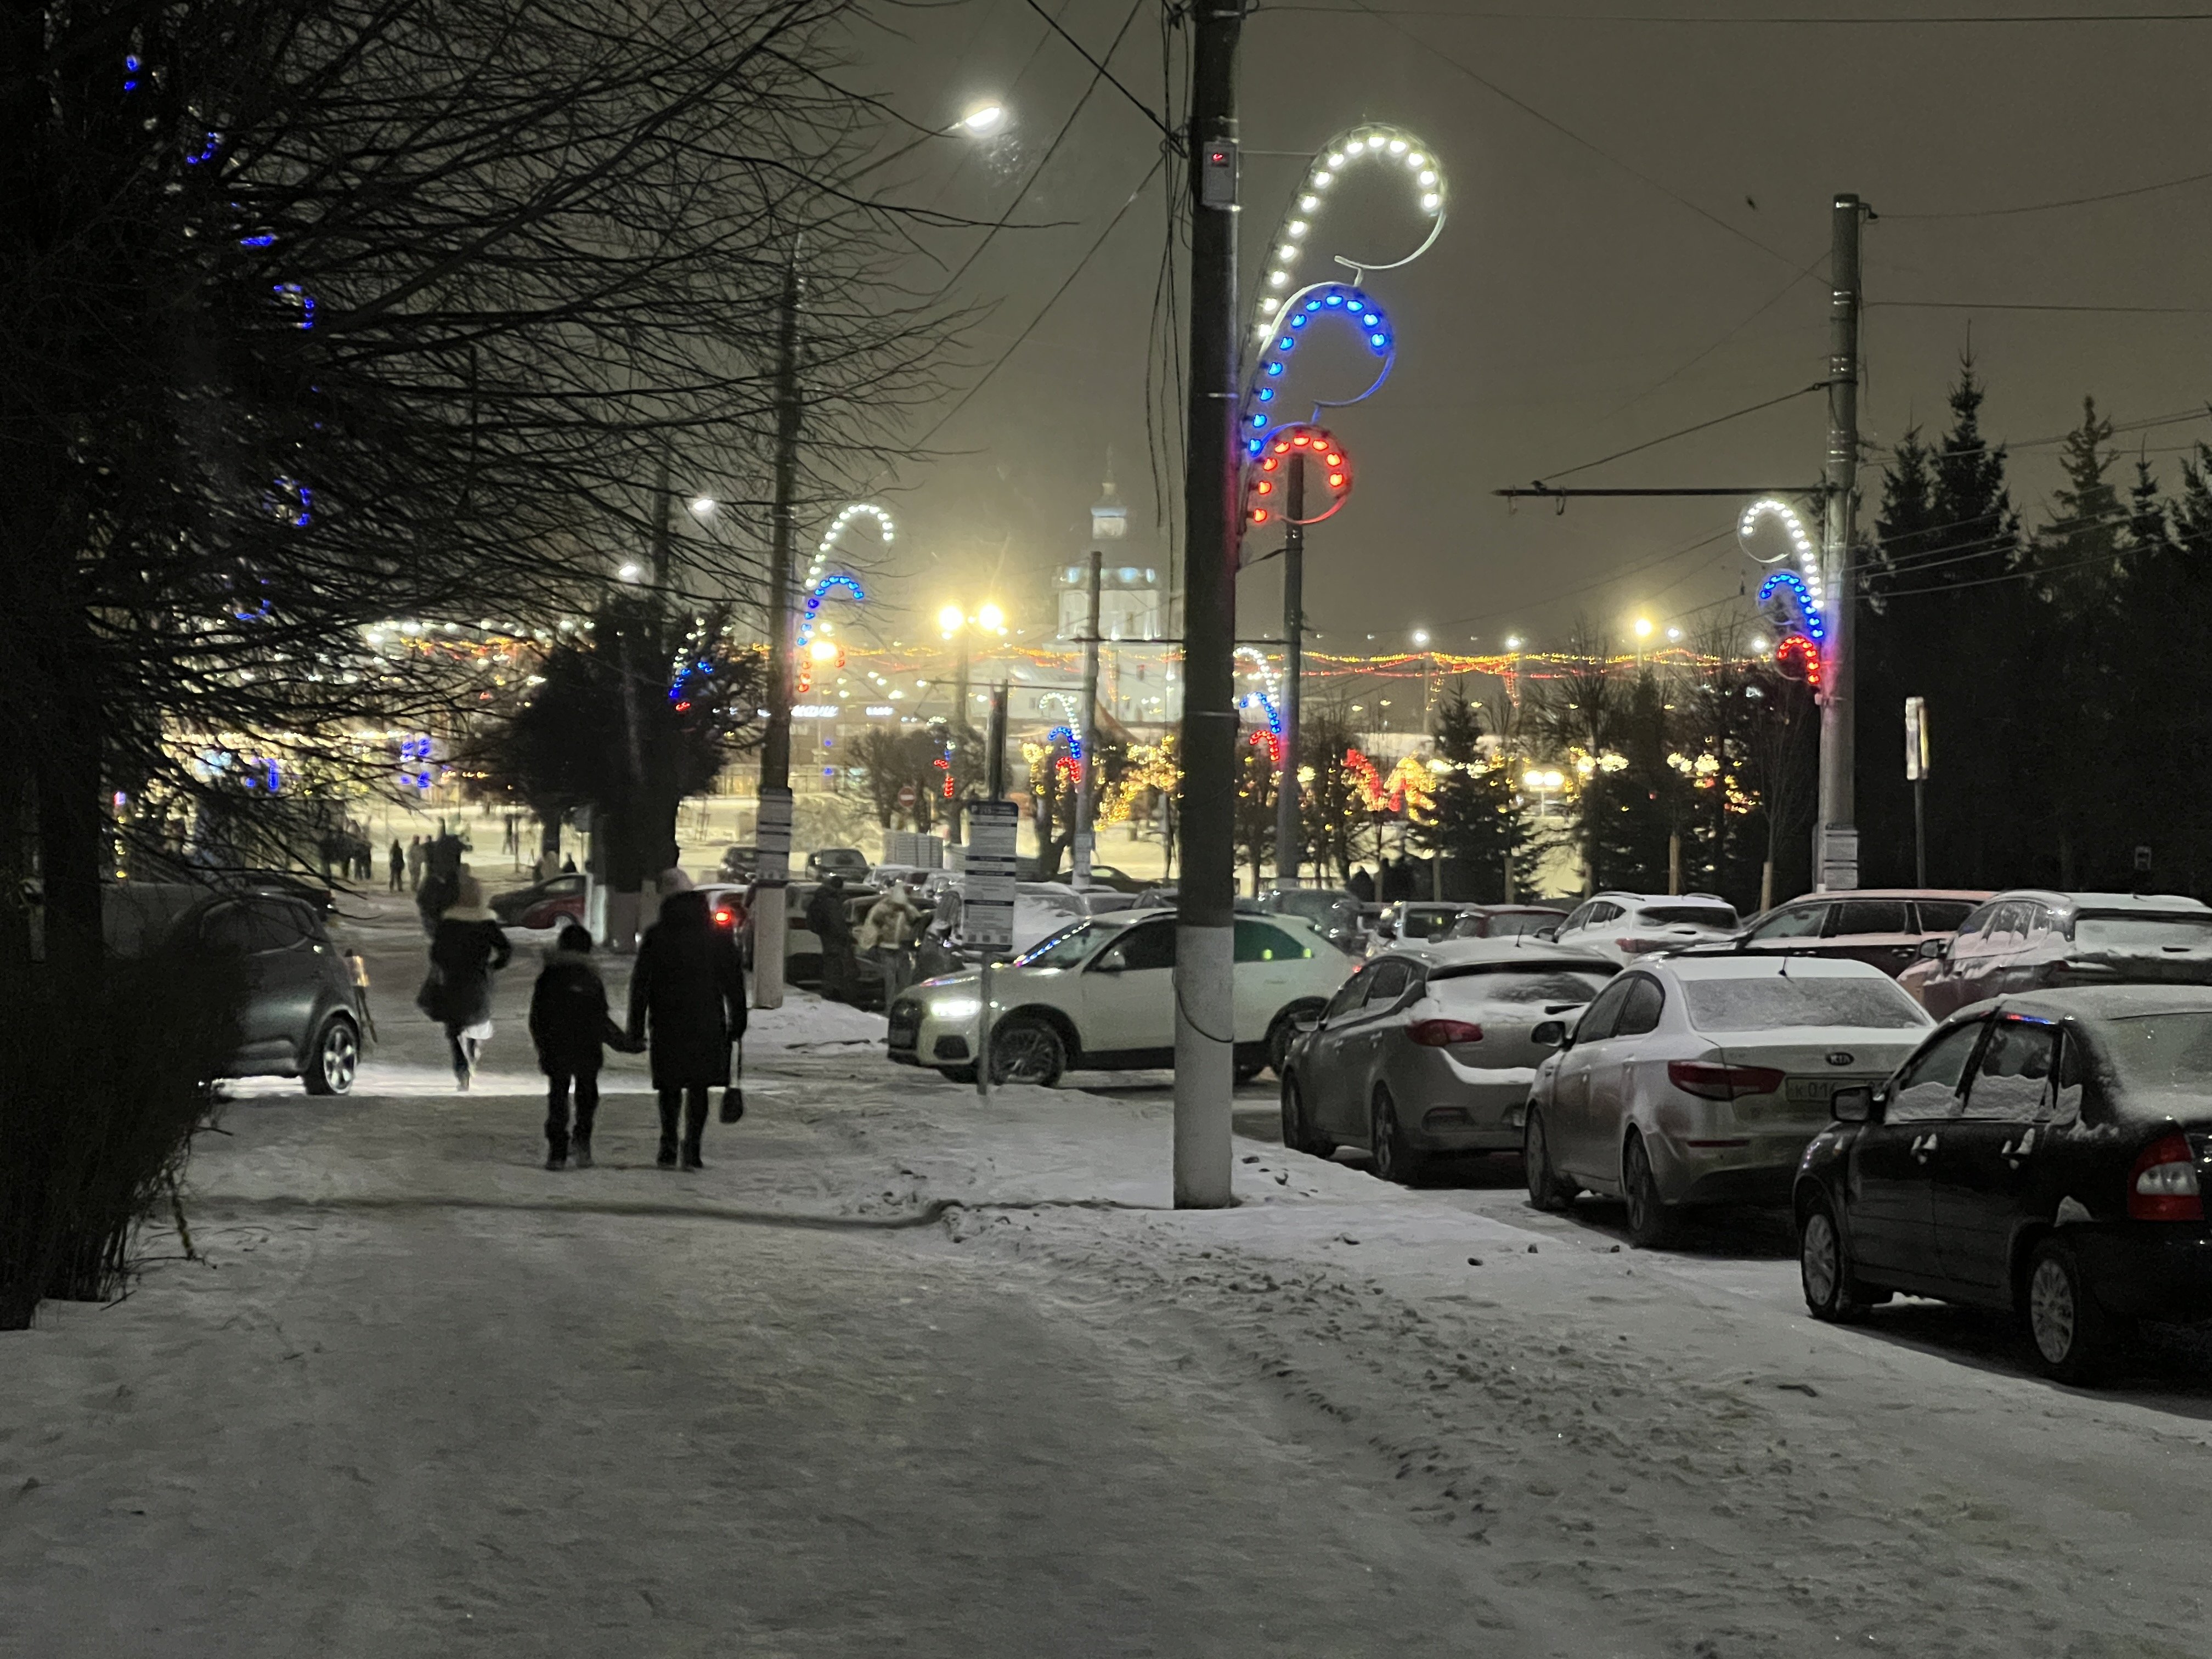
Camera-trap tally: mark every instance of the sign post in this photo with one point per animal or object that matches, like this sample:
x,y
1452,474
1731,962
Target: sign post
x,y
1917,758
986,908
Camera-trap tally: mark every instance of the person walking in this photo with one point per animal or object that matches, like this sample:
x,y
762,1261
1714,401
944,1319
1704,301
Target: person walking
x,y
466,948
1360,885
398,864
828,920
888,934
570,1027
686,1002
415,857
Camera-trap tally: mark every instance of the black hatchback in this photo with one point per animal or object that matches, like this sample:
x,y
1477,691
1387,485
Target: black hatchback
x,y
2045,1153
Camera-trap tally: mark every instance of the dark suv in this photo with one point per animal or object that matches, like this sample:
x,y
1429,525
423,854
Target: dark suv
x,y
304,1013
2031,939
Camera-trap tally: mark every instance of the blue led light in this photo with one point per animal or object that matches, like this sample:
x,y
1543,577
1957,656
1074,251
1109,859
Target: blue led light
x,y
1274,368
1335,299
1313,305
1375,339
263,239
1297,322
1266,394
1259,420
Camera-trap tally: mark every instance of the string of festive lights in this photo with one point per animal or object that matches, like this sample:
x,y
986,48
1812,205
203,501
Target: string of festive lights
x,y
1392,148
1288,443
1326,301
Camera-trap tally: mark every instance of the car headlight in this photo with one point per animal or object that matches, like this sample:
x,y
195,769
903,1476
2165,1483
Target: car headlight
x,y
956,1008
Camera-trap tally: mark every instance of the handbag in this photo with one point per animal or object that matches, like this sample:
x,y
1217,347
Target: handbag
x,y
733,1093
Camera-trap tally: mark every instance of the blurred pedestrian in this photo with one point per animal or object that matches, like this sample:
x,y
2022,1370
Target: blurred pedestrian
x,y
829,921
398,864
415,857
687,1000
1360,885
888,934
467,947
571,1027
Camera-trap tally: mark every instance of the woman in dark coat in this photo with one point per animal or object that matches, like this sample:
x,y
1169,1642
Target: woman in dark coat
x,y
687,996
467,946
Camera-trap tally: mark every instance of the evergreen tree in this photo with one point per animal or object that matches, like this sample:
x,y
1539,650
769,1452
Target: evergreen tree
x,y
1474,822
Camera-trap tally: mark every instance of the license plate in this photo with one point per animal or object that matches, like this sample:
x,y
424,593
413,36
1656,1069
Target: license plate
x,y
1818,1091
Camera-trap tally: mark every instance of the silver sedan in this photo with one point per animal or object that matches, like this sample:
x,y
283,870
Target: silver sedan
x,y
1430,1050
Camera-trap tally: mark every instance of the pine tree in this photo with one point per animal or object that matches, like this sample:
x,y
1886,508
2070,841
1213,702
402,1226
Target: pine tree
x,y
1474,822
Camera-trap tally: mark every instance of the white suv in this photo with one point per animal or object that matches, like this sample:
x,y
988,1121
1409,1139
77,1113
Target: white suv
x,y
1623,926
1099,994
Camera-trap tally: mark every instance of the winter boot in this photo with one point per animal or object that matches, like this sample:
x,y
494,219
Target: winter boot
x,y
556,1160
667,1159
581,1148
691,1159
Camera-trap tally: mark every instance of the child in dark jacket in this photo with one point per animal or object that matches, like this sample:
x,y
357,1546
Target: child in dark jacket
x,y
569,1024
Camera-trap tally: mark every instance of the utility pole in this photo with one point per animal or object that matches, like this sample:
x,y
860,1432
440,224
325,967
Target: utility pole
x,y
1206,1008
1836,858
1290,822
1086,789
960,729
773,833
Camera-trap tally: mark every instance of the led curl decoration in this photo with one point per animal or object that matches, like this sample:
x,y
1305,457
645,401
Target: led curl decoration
x,y
1263,478
1394,147
1324,301
822,590
1801,539
1800,653
884,527
1808,619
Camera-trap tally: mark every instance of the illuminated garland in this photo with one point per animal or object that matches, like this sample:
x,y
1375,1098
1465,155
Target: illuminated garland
x,y
1390,146
1287,443
1797,651
825,652
1325,301
1796,613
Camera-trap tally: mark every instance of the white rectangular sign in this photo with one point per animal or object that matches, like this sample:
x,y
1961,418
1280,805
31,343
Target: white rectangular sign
x,y
1916,756
1839,858
986,895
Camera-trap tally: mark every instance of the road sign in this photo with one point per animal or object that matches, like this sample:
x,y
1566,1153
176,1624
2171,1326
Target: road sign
x,y
772,837
906,796
987,896
1917,753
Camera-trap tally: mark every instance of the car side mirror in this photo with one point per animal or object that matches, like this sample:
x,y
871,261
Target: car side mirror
x,y
1305,1023
1934,950
1854,1104
1110,964
1551,1034
1547,932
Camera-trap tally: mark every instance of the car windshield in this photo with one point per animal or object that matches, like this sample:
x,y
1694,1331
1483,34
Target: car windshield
x,y
1427,924
1533,986
2143,932
2161,1054
1314,907
1517,924
1765,1004
1066,949
1687,915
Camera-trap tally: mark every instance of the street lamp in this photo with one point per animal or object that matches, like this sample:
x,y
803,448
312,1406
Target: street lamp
x,y
703,506
983,120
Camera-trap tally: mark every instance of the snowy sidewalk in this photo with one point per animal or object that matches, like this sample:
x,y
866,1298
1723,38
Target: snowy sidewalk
x,y
907,1371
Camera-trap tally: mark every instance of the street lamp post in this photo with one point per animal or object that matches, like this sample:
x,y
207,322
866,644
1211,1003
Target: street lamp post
x,y
957,625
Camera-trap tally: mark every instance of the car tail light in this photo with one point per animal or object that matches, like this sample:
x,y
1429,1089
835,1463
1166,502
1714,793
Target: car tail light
x,y
723,918
1709,1081
1638,946
2163,1186
1443,1033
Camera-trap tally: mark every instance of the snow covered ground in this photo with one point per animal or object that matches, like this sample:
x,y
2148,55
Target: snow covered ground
x,y
903,1371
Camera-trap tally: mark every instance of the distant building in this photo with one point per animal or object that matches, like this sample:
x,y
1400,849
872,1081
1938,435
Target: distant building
x,y
1137,682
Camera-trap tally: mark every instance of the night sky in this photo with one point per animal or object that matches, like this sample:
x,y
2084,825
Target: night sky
x,y
1662,265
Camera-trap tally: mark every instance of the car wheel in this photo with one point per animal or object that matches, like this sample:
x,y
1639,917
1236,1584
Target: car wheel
x,y
1026,1049
1651,1222
1284,1032
965,1074
1824,1267
1548,1188
334,1058
2072,1335
1298,1133
1394,1160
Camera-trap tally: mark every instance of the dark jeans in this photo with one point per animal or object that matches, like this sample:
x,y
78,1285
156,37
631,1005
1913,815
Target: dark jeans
x,y
557,1109
693,1104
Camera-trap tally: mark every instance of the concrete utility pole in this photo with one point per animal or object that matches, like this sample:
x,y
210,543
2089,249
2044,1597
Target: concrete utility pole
x,y
773,832
1086,789
1290,822
1836,854
1206,1007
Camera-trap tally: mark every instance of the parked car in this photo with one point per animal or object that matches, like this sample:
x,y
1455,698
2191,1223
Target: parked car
x,y
1431,1050
726,904
849,862
305,1004
1883,927
1507,920
1624,925
1099,994
546,903
740,864
1412,921
1699,1080
1029,867
2045,1153
1330,911
2031,939
802,947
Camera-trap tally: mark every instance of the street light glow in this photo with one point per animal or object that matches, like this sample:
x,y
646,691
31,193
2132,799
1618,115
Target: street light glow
x,y
984,119
991,619
1420,636
950,619
1512,641
1643,628
703,505
632,572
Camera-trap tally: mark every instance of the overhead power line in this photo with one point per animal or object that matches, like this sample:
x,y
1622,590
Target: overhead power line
x,y
2034,305
1939,19
1683,432
2052,207
1175,139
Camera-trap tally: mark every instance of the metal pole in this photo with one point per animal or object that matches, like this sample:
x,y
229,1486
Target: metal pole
x,y
996,764
1289,820
960,729
1836,861
1920,832
1087,793
774,874
1206,1007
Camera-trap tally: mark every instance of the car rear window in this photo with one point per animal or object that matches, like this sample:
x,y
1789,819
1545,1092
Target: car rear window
x,y
1687,915
1516,924
1427,924
1762,1003
2142,933
2161,1054
1532,986
1943,915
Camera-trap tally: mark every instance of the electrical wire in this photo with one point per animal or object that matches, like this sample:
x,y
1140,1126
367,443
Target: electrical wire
x,y
1173,137
1431,50
1684,432
2052,207
2032,305
1091,252
1942,20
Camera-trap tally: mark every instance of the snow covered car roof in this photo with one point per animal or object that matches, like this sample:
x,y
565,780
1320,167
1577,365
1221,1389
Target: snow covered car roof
x,y
2093,1002
2107,904
1769,967
1517,948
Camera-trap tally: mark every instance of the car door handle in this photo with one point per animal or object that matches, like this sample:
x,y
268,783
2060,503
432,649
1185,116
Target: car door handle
x,y
1924,1146
2015,1151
